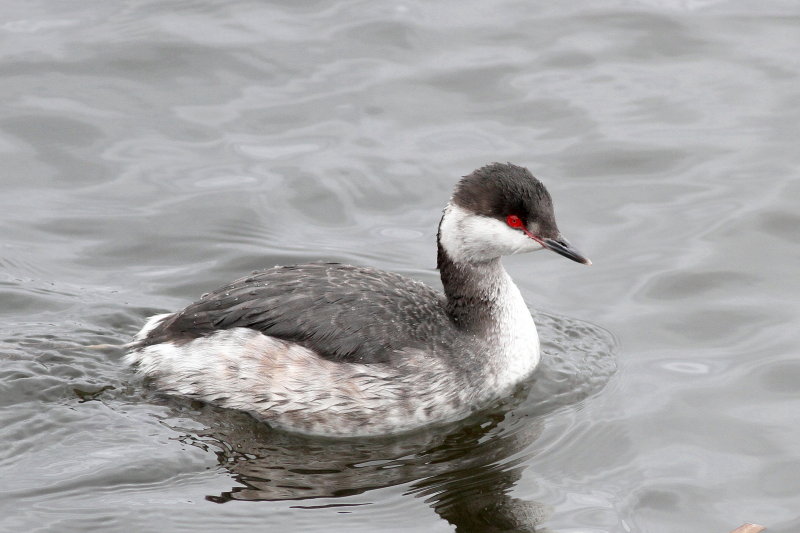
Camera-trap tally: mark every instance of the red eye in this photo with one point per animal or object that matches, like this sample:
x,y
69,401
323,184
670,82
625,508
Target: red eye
x,y
514,221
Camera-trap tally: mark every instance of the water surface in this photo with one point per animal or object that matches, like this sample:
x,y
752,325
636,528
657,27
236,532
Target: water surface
x,y
154,150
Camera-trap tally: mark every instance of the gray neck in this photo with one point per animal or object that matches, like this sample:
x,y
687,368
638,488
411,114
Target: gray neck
x,y
483,302
474,291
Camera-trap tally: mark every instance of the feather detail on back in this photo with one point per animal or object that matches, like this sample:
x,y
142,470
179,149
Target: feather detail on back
x,y
343,313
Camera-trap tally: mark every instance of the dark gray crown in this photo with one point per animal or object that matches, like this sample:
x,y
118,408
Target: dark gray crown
x,y
498,190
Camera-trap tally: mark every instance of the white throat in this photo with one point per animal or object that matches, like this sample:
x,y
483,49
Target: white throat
x,y
516,333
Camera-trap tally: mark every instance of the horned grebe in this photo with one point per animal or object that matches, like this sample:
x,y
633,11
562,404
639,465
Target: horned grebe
x,y
339,350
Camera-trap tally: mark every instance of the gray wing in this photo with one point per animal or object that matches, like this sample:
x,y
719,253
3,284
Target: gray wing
x,y
342,312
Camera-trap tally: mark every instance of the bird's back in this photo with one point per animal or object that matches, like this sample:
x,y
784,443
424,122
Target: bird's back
x,y
343,313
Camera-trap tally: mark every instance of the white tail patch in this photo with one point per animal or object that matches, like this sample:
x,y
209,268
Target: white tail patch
x,y
151,323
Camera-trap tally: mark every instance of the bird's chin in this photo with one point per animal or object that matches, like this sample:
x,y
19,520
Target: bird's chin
x,y
528,247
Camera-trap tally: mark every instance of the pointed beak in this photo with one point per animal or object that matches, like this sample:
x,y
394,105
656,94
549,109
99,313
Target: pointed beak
x,y
562,246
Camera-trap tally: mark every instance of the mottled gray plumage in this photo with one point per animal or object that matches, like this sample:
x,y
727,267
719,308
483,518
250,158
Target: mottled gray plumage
x,y
343,313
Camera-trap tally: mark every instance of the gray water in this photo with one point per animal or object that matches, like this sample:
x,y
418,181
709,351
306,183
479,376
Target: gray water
x,y
153,150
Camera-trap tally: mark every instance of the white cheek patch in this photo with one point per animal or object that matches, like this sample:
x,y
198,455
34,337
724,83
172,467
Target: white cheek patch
x,y
467,237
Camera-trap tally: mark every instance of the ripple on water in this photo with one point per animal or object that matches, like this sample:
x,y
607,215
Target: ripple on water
x,y
133,444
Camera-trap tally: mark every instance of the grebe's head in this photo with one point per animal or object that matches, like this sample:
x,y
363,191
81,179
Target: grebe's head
x,y
501,210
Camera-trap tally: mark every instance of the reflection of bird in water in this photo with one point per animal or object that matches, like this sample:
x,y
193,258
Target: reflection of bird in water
x,y
462,470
